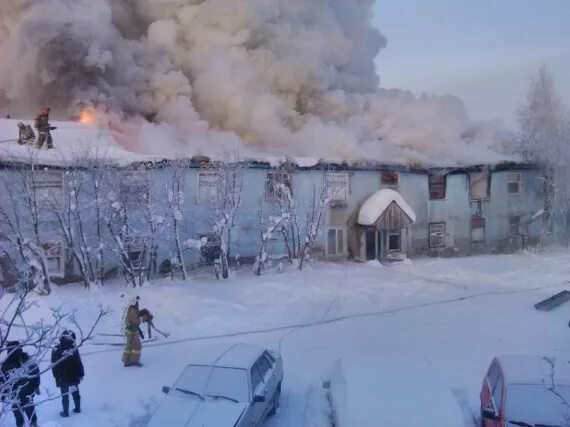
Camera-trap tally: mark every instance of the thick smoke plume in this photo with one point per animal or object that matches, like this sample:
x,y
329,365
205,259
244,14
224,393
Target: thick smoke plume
x,y
294,77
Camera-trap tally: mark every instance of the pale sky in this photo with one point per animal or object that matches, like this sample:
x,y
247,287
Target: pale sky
x,y
479,50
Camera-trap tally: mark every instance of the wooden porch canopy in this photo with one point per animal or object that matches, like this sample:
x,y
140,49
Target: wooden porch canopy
x,y
386,210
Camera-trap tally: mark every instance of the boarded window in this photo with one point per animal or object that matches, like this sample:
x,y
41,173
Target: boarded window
x,y
479,185
54,257
514,183
437,235
394,241
135,187
389,179
437,187
277,184
477,229
335,241
337,186
207,186
514,225
47,187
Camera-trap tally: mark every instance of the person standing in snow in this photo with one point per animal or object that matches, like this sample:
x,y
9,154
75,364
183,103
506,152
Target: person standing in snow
x,y
19,382
44,128
68,371
133,334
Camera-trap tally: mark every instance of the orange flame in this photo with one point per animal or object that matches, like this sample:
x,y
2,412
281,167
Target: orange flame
x,y
86,117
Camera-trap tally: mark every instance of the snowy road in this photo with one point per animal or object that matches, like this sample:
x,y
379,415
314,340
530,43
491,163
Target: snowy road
x,y
454,314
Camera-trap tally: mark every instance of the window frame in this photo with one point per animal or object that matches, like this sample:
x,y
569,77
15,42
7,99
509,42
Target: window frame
x,y
518,225
200,175
485,174
251,387
436,224
36,183
483,226
136,240
344,243
387,184
518,182
390,233
330,176
127,189
61,258
285,177
437,184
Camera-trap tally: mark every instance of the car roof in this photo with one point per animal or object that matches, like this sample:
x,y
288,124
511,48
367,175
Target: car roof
x,y
238,355
532,369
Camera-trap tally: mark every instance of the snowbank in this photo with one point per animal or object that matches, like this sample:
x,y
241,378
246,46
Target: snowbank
x,y
376,204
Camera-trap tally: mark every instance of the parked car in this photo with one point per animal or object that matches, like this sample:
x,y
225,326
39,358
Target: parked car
x,y
525,391
233,385
383,390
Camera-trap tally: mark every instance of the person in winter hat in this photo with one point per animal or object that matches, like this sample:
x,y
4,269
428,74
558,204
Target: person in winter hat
x,y
67,371
19,382
133,334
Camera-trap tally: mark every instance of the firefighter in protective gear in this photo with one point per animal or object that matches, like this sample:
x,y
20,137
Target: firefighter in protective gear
x,y
132,353
44,129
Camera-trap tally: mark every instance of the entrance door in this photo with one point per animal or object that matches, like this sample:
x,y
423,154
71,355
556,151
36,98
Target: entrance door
x,y
370,245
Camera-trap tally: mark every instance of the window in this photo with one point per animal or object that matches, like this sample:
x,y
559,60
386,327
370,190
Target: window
x,y
514,183
394,241
389,179
210,248
207,186
495,384
337,186
135,187
437,187
477,229
264,366
47,187
335,241
135,246
437,235
514,225
54,257
255,378
277,184
479,185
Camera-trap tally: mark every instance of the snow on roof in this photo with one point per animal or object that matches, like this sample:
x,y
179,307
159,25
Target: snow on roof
x,y
376,204
237,355
529,369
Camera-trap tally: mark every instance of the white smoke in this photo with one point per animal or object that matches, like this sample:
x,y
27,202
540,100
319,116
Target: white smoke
x,y
287,77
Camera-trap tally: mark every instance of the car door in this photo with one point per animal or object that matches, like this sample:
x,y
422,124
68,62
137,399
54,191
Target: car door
x,y
267,370
257,387
491,395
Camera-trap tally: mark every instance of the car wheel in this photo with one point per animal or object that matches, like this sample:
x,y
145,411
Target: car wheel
x,y
275,401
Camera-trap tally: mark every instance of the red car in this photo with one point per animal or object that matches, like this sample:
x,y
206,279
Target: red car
x,y
529,391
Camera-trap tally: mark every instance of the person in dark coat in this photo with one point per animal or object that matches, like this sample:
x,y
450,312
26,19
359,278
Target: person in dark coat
x,y
44,128
19,382
67,371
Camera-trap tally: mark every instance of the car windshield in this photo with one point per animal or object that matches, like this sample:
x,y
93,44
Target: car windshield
x,y
536,404
216,382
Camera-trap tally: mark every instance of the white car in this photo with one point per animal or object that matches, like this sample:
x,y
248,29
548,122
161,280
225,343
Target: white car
x,y
234,385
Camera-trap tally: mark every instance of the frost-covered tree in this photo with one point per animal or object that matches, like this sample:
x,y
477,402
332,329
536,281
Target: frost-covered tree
x,y
545,139
269,225
37,338
225,202
175,215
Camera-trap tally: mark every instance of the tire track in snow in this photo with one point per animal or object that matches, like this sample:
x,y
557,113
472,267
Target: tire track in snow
x,y
336,319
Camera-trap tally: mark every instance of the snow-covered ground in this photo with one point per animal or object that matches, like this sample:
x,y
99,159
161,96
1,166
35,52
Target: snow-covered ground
x,y
452,314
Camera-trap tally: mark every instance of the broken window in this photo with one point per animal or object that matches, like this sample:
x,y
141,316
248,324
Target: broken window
x,y
135,247
207,186
54,257
437,186
477,229
514,183
514,225
277,184
390,179
394,241
337,186
210,248
335,241
47,187
479,183
135,187
437,235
